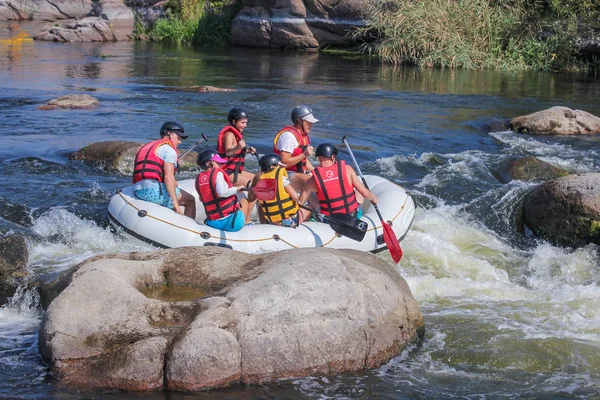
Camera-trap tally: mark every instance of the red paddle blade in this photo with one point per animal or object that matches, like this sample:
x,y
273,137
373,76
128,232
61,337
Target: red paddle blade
x,y
265,189
392,242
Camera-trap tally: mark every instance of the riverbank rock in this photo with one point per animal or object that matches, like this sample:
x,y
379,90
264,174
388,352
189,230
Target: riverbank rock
x,y
298,24
557,120
200,89
13,264
533,169
224,317
119,156
71,101
565,211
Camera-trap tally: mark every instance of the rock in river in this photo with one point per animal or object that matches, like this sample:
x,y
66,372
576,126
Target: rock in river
x,y
195,318
565,211
557,120
119,155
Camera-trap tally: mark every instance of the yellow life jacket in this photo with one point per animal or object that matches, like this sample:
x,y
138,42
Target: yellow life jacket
x,y
282,206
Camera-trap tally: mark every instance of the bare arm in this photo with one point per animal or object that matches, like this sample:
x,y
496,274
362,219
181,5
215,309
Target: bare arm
x,y
309,187
358,185
232,146
171,185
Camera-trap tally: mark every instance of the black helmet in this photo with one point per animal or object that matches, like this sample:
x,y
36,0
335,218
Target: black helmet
x,y
299,112
204,157
171,126
326,150
268,161
236,113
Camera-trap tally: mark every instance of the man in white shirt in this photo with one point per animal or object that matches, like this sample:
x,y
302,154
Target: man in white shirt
x,y
292,144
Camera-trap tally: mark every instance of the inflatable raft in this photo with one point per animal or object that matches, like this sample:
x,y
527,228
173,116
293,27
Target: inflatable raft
x,y
165,228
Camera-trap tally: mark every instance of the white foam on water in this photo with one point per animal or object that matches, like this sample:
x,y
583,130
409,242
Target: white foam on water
x,y
458,270
70,240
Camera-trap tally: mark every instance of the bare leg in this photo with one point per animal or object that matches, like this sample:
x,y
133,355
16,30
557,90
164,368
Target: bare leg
x,y
243,178
189,202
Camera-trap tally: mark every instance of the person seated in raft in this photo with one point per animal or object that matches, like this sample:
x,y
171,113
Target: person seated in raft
x,y
154,172
232,147
335,182
218,195
283,208
292,144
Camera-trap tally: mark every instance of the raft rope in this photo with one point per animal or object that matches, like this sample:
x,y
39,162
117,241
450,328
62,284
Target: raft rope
x,y
206,235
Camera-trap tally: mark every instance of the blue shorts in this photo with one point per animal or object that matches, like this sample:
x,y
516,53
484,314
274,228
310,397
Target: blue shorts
x,y
157,194
291,221
230,223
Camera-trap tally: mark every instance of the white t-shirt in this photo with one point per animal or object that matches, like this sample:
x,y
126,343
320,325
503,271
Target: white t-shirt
x,y
165,153
287,142
223,189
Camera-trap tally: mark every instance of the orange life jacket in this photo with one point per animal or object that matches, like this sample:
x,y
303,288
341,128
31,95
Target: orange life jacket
x,y
335,194
303,142
147,163
216,207
235,161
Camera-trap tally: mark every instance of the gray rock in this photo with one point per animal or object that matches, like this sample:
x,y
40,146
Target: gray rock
x,y
13,264
71,101
298,24
252,319
119,156
252,28
557,120
532,169
565,211
45,10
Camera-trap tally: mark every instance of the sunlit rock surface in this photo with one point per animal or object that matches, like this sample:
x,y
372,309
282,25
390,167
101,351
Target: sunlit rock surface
x,y
246,318
557,120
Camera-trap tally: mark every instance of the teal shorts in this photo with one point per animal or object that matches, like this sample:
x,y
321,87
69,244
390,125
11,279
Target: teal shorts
x,y
157,194
230,223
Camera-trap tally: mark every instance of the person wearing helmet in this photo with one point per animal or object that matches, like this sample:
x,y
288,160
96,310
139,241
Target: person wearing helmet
x,y
292,144
154,172
282,208
232,147
219,196
335,183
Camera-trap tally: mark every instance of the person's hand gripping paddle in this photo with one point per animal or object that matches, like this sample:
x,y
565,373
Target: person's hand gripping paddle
x,y
389,235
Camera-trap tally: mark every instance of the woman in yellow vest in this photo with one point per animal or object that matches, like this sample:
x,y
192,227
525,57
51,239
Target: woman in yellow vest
x,y
282,209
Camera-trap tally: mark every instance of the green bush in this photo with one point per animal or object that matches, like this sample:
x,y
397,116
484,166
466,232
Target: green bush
x,y
510,34
191,21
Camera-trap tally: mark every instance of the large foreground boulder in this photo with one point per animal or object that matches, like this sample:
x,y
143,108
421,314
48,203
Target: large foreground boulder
x,y
119,156
565,211
189,319
557,120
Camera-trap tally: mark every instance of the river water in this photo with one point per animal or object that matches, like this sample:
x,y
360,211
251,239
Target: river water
x,y
507,315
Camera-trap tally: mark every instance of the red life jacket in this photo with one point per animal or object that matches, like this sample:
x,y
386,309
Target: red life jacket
x,y
147,163
303,142
336,195
216,207
236,160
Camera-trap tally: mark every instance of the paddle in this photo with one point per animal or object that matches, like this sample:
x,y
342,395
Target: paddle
x,y
345,225
204,139
388,233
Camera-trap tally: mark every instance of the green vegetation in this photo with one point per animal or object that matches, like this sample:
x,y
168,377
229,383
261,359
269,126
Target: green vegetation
x,y
196,22
508,34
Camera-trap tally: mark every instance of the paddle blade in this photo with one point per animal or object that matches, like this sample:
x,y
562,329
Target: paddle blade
x,y
348,226
265,189
392,242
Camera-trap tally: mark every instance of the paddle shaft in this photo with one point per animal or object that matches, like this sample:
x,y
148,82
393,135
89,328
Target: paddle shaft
x,y
204,139
360,173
